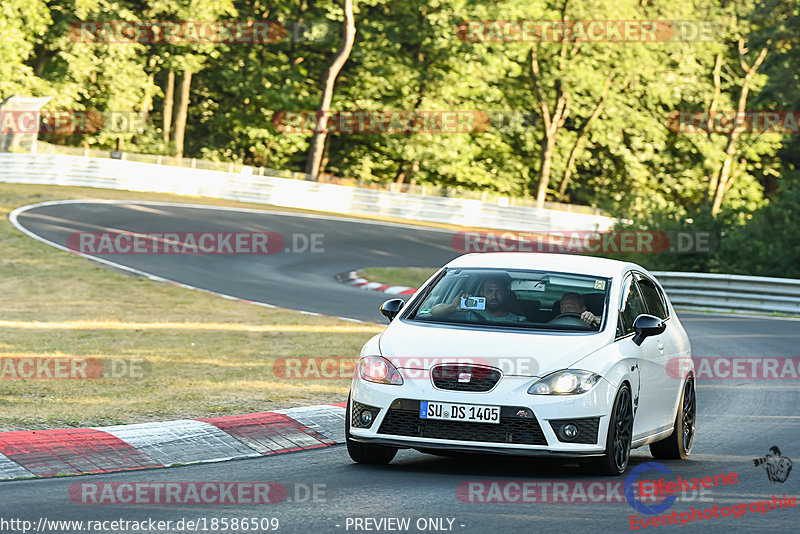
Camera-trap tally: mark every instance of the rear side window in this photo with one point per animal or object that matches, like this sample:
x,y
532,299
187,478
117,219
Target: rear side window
x,y
632,306
652,298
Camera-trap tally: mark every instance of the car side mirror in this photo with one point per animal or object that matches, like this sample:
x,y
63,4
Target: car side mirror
x,y
646,326
392,307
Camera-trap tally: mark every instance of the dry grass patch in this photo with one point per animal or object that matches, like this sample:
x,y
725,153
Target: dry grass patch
x,y
204,355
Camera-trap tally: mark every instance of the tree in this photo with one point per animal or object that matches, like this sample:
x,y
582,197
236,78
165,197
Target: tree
x,y
552,122
578,120
328,81
23,22
719,184
580,141
186,58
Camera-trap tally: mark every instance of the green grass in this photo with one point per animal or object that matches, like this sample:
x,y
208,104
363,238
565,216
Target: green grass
x,y
398,276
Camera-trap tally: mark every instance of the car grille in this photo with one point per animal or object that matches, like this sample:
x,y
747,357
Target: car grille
x,y
481,378
402,419
355,421
587,429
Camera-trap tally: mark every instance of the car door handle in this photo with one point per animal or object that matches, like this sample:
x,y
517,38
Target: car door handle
x,y
661,346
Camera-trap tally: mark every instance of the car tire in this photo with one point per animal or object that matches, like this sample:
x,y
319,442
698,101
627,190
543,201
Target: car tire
x,y
614,461
364,453
678,445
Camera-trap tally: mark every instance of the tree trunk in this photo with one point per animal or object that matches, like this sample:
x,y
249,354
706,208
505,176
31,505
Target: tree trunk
x,y
181,112
43,57
548,144
400,176
712,110
722,184
724,172
167,112
147,100
404,172
323,164
583,134
552,123
317,144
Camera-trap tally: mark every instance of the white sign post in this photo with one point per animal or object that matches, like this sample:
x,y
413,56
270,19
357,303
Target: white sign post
x,y
13,137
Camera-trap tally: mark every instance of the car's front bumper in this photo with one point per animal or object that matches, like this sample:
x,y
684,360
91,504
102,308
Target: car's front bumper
x,y
528,424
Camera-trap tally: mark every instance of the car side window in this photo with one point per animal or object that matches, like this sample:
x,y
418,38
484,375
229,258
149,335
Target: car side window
x,y
632,306
652,297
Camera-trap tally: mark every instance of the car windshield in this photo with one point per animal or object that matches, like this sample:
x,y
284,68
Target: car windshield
x,y
514,299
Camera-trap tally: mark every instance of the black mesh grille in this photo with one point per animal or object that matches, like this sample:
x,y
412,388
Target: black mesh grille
x,y
480,378
355,422
587,429
403,419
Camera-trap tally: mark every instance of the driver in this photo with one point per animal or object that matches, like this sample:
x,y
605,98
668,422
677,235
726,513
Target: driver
x,y
574,303
499,297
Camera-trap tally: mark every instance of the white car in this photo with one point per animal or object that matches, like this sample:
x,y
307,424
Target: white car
x,y
527,354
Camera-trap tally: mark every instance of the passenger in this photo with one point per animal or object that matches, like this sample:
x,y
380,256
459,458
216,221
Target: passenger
x,y
499,299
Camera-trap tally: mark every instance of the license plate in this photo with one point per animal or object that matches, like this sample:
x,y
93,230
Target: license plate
x,y
471,413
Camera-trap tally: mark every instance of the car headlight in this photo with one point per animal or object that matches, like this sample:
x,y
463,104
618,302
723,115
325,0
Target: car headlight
x,y
380,370
566,382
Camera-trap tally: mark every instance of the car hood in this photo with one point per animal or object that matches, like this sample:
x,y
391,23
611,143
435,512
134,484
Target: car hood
x,y
528,353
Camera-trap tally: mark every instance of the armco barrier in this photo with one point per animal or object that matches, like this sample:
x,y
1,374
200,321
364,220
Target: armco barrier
x,y
57,169
729,292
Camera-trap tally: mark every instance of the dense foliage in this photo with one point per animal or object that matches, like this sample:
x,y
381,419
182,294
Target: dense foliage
x,y
596,113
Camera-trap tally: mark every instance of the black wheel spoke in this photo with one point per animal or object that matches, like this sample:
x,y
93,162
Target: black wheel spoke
x,y
622,429
689,414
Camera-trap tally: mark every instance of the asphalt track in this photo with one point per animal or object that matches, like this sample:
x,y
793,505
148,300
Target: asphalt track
x,y
302,280
738,420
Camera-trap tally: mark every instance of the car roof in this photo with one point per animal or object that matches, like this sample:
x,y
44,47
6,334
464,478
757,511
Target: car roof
x,y
566,263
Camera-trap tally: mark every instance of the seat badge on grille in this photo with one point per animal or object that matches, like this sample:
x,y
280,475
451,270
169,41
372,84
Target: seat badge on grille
x,y
464,378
